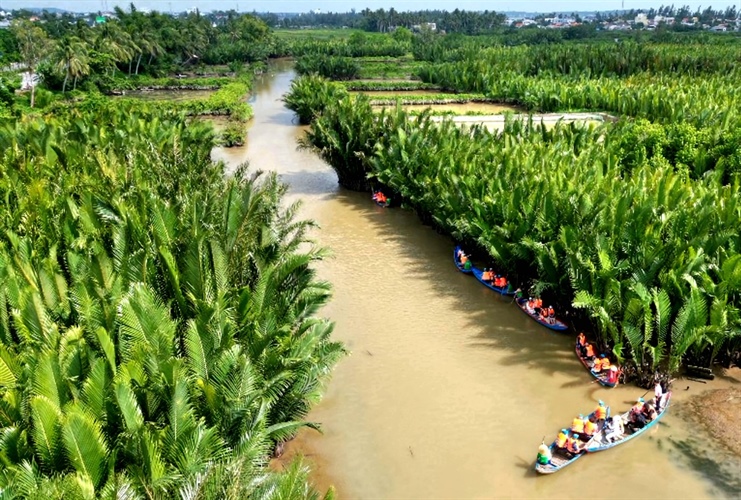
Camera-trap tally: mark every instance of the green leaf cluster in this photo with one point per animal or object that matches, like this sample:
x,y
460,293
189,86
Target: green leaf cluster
x,y
158,328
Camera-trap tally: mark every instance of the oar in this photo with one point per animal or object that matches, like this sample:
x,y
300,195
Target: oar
x,y
644,394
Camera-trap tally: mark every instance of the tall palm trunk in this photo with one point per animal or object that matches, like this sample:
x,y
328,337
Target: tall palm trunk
x,y
66,78
138,60
130,63
74,85
33,87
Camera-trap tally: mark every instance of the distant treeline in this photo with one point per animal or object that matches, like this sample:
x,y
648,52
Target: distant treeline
x,y
472,23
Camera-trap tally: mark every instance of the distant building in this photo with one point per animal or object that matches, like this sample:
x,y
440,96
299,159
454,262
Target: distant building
x,y
641,18
421,26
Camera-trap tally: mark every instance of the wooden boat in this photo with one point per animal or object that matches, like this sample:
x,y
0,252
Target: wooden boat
x,y
558,460
602,377
458,263
600,443
507,290
556,325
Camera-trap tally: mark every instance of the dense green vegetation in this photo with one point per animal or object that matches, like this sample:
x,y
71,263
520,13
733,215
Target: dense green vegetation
x,y
635,224
158,334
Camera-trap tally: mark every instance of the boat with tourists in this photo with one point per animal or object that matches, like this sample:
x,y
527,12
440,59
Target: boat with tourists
x,y
557,324
611,435
604,376
462,262
504,290
381,199
560,456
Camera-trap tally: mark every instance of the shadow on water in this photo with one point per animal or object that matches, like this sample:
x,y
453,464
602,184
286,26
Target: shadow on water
x,y
305,182
724,473
500,324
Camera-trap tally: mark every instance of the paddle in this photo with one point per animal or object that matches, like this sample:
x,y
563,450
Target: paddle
x,y
644,394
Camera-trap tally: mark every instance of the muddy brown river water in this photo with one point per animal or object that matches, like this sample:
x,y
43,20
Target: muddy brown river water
x,y
450,387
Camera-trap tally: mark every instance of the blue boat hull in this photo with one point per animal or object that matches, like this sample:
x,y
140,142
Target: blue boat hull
x,y
559,461
601,445
504,291
602,377
556,325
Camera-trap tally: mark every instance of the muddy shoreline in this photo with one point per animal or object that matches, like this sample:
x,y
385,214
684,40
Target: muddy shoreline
x,y
718,412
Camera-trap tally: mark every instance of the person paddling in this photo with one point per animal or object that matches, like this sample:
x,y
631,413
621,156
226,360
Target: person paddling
x,y
544,454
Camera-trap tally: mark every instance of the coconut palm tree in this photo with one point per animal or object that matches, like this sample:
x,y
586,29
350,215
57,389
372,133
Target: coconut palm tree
x,y
72,59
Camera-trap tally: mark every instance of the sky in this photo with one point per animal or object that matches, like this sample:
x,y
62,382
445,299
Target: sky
x,y
346,5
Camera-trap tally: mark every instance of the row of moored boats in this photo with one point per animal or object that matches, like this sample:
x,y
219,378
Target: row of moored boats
x,y
599,431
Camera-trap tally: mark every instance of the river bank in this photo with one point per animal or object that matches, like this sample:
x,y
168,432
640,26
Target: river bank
x,y
718,411
449,387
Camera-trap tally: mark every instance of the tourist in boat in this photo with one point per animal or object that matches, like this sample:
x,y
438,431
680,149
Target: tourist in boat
x,y
581,339
573,446
551,314
590,427
537,304
600,412
577,425
649,412
379,197
544,454
601,363
636,419
614,429
589,351
612,374
562,439
658,393
544,315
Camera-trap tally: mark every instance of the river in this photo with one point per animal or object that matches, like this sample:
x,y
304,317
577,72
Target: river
x,y
449,386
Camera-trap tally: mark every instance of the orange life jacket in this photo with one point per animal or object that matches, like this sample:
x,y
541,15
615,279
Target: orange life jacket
x,y
538,303
600,413
464,259
551,312
590,428
504,281
561,440
577,425
580,339
590,351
